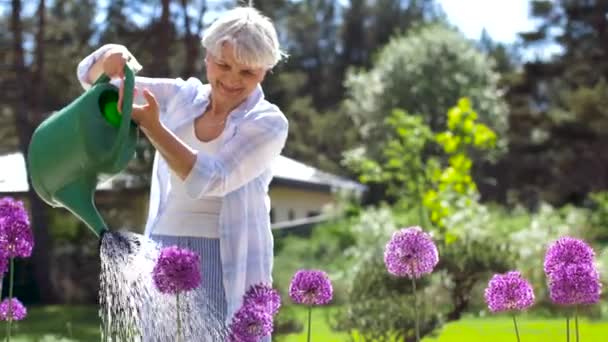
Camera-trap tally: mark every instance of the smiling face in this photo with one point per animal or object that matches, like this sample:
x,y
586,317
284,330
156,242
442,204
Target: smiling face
x,y
231,82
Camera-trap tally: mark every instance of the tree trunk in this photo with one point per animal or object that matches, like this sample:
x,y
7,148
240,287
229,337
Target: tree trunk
x,y
164,37
189,44
192,39
38,75
41,252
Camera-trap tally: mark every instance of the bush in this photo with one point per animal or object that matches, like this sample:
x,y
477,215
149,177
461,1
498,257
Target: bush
x,y
287,322
379,305
424,73
599,216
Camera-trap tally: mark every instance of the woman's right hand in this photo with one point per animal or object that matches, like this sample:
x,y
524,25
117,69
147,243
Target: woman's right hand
x,y
114,66
114,63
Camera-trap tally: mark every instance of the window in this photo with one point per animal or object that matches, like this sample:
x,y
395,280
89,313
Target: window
x,y
313,213
291,215
272,218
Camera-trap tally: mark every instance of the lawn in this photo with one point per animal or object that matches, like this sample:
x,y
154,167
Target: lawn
x,y
63,323
494,329
500,329
57,323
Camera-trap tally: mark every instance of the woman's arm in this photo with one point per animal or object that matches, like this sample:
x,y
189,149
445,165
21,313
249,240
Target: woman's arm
x,y
179,156
111,59
92,66
244,157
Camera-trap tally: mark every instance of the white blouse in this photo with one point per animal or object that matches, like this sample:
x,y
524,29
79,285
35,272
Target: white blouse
x,y
185,216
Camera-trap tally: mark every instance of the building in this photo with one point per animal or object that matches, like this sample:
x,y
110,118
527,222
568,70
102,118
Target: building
x,y
300,194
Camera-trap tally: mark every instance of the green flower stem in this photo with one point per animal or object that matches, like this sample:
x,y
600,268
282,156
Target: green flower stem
x,y
309,320
516,330
567,328
576,321
10,299
416,329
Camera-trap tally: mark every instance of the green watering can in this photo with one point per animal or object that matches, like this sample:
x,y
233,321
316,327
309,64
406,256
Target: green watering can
x,y
74,146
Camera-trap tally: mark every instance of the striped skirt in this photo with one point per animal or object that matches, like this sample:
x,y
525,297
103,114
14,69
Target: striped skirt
x,y
212,286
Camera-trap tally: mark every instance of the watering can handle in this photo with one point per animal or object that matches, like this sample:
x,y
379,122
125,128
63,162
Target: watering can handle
x,y
127,107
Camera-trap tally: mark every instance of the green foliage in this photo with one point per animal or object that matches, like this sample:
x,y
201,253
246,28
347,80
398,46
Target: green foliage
x,y
325,248
453,188
425,72
379,306
59,324
558,106
400,166
496,239
287,321
418,179
599,216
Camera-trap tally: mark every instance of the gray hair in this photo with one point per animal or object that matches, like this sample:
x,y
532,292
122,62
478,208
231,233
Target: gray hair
x,y
251,33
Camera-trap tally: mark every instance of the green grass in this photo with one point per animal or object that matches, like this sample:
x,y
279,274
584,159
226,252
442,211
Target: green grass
x,y
493,329
320,327
499,329
77,323
54,323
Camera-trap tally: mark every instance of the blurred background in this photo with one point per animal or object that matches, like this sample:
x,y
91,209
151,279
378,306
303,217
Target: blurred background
x,y
485,122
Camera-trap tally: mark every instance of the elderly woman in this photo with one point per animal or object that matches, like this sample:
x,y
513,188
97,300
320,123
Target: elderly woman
x,y
215,144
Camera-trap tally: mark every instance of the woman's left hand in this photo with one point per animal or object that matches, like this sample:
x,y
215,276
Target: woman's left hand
x,y
147,116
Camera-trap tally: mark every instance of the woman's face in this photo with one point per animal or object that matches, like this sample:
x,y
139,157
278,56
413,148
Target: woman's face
x,y
231,81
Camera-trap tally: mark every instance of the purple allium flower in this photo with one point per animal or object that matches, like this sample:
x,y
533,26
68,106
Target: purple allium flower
x,y
410,253
264,297
10,207
311,287
575,284
566,251
18,311
509,291
16,236
176,270
249,324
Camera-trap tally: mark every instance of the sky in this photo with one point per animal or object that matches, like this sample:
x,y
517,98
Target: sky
x,y
503,19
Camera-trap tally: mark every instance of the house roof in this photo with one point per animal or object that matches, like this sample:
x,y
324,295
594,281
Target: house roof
x,y
13,176
293,172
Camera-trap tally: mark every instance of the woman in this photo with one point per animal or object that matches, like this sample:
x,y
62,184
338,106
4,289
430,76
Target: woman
x,y
215,144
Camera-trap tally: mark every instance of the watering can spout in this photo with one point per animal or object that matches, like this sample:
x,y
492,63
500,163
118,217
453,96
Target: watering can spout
x,y
77,197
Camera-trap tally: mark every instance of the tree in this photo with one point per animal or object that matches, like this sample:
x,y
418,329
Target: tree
x,y
559,118
24,130
425,72
192,37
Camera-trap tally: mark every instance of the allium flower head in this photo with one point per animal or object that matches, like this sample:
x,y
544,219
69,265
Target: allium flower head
x,y
311,287
410,253
176,270
509,291
567,251
249,324
16,236
575,284
18,311
11,207
264,297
